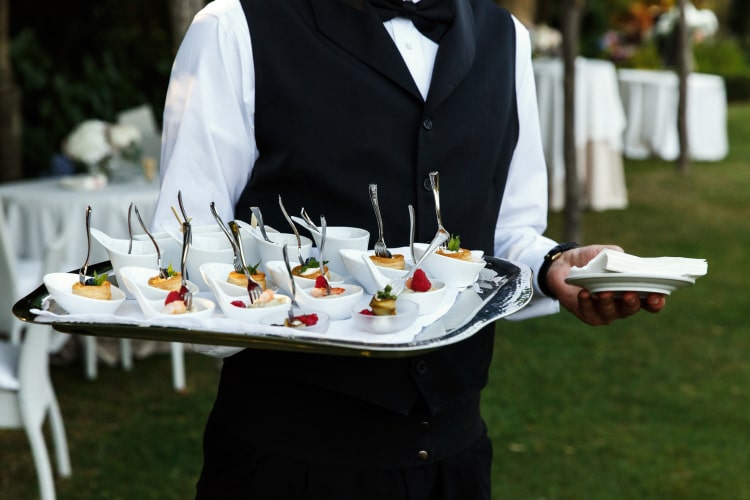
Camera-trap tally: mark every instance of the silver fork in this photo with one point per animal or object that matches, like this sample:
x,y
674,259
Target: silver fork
x,y
381,250
412,231
259,217
290,314
308,220
320,253
187,295
254,289
163,273
237,263
130,228
435,183
296,233
82,278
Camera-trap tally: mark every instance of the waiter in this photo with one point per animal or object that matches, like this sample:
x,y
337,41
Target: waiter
x,y
314,100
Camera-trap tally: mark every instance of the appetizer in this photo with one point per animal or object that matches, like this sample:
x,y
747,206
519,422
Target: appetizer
x,y
395,261
175,302
240,279
302,321
172,282
267,299
453,249
383,303
311,269
95,288
322,289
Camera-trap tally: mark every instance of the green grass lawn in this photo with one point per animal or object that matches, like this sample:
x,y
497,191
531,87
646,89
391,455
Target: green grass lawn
x,y
656,407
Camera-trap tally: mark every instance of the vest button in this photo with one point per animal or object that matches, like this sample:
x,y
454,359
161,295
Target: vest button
x,y
426,184
422,367
427,124
423,455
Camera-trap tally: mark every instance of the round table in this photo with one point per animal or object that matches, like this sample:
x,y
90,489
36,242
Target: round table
x,y
650,99
38,210
600,122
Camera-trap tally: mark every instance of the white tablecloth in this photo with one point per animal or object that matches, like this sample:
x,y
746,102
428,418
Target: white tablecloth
x,y
37,210
650,99
600,122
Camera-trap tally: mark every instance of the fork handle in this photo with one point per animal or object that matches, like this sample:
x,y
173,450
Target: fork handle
x,y
435,184
376,208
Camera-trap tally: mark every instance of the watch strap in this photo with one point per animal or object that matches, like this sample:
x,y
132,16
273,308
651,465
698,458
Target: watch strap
x,y
551,256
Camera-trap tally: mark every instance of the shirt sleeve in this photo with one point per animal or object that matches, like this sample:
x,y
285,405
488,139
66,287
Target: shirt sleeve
x,y
208,142
208,138
519,232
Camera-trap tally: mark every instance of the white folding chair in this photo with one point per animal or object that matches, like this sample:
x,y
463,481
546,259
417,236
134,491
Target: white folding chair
x,y
18,277
27,398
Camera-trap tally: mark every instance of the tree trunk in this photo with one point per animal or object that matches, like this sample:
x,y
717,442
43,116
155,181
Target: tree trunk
x,y
10,105
684,66
181,13
524,10
573,204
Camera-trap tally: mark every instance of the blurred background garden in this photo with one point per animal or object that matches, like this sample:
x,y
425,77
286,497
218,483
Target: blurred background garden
x,y
656,407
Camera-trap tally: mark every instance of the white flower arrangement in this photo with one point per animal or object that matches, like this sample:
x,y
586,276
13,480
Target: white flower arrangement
x,y
545,40
95,142
701,23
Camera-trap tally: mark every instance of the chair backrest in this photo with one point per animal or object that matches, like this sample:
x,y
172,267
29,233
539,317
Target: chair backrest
x,y
33,373
7,276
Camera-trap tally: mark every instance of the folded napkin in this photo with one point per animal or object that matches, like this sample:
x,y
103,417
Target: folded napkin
x,y
612,261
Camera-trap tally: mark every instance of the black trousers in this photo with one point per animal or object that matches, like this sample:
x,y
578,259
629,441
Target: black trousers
x,y
258,475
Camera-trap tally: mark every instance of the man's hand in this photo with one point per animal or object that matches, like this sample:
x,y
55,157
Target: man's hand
x,y
601,308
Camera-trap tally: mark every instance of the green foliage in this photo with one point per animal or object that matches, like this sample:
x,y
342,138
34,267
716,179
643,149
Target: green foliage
x,y
105,58
722,56
645,56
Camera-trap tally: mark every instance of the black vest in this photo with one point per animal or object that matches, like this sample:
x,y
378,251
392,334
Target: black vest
x,y
336,110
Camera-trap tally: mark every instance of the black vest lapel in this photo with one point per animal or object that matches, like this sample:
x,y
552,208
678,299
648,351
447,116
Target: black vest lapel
x,y
455,56
357,29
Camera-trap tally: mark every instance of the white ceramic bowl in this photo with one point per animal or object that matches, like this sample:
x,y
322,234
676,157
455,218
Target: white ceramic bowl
x,y
202,308
406,315
210,244
60,287
276,269
136,279
366,273
339,238
428,301
273,251
455,273
277,319
336,306
226,293
142,253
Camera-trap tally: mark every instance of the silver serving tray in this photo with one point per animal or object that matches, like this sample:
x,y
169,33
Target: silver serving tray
x,y
504,287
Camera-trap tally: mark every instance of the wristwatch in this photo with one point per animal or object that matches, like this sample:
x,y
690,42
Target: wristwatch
x,y
552,256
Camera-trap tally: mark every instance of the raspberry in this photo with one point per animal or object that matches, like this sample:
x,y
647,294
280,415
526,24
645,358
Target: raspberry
x,y
320,282
172,297
238,303
420,282
308,319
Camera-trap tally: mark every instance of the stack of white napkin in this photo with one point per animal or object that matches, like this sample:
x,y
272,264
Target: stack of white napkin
x,y
612,261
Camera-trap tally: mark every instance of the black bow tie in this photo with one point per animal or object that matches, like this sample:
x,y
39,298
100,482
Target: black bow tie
x,y
430,17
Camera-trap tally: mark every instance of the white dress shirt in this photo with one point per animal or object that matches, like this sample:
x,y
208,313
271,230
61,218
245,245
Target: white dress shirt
x,y
208,141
